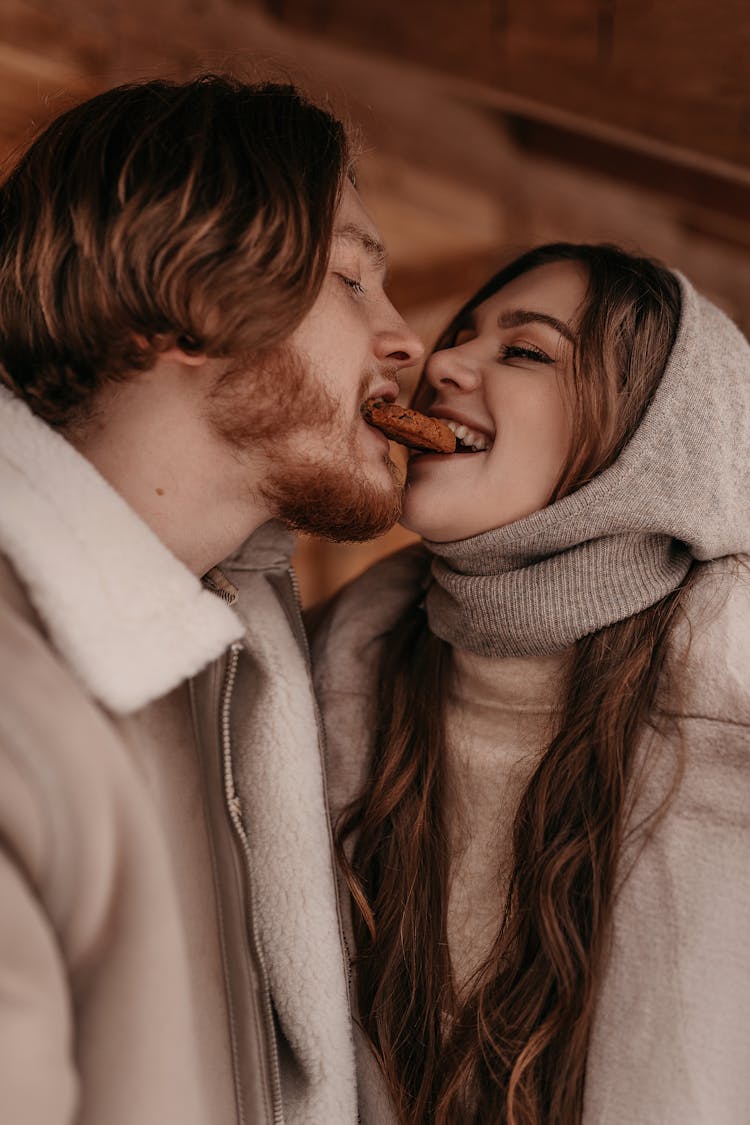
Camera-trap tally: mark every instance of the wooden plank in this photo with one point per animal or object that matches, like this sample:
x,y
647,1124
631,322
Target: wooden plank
x,y
34,89
435,32
677,73
696,186
564,32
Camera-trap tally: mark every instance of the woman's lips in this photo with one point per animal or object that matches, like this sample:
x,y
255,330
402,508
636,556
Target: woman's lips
x,y
471,437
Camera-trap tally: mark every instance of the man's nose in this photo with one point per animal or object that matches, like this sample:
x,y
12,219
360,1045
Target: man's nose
x,y
450,368
397,345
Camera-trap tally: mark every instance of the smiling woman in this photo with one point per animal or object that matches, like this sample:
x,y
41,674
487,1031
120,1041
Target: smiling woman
x,y
538,721
505,381
529,366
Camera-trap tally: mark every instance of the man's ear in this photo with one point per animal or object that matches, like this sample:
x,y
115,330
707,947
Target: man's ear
x,y
184,350
179,355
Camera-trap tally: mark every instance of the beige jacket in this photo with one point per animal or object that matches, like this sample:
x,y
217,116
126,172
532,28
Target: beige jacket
x,y
671,1037
170,947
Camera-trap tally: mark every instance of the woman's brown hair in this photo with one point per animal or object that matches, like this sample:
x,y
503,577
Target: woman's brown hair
x,y
161,213
514,1050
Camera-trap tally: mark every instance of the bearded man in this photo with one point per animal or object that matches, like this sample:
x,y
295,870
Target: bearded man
x,y
191,315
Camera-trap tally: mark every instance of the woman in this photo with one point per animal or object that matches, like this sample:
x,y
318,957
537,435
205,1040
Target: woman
x,y
538,721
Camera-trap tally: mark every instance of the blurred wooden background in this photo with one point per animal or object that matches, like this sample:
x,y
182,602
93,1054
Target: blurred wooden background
x,y
488,126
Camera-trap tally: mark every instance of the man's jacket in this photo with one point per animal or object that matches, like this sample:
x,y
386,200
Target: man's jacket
x,y
170,947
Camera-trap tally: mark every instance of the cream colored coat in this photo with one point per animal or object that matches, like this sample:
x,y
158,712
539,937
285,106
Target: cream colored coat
x,y
671,1037
169,938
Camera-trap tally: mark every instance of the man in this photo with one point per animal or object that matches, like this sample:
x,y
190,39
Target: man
x,y
191,315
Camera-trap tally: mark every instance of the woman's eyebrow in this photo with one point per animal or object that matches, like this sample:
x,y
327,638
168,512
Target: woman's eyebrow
x,y
515,318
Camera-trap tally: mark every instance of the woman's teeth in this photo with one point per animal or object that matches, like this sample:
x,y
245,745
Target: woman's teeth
x,y
470,439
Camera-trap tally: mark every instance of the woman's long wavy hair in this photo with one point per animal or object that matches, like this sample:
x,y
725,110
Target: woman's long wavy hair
x,y
514,1049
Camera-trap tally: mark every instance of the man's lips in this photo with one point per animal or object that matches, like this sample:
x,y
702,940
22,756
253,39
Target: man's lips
x,y
409,427
387,391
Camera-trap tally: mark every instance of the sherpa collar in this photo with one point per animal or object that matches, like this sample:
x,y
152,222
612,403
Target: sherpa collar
x,y
127,615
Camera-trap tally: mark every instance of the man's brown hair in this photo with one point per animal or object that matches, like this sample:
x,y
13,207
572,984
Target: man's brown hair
x,y
162,213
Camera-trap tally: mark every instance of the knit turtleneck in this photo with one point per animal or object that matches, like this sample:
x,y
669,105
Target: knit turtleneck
x,y
544,604
679,491
500,714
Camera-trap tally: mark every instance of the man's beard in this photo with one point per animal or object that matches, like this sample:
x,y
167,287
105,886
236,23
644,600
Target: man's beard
x,y
335,500
330,495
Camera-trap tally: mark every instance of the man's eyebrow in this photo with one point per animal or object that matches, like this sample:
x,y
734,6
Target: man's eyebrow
x,y
376,251
516,318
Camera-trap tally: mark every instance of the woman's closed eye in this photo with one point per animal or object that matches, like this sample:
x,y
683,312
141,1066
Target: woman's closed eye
x,y
524,351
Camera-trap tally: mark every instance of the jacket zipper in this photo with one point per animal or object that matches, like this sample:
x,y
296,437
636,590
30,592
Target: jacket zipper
x,y
235,812
323,754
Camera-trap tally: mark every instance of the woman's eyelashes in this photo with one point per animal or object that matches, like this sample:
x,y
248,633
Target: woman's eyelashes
x,y
524,351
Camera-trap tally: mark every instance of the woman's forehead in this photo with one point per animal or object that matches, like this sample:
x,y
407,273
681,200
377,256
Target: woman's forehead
x,y
556,290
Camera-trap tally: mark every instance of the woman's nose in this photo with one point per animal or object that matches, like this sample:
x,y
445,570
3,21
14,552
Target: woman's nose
x,y
451,368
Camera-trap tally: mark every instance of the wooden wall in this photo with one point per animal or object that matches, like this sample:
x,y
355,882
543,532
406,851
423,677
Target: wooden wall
x,y
672,70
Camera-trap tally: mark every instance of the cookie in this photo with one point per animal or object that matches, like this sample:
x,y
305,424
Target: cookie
x,y
409,427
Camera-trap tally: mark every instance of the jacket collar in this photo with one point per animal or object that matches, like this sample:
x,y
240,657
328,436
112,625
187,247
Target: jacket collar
x,y
270,548
131,620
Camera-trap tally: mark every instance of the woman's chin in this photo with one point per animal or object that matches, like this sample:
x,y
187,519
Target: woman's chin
x,y
425,523
414,520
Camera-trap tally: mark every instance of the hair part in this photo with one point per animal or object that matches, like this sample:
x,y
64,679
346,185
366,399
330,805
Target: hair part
x,y
195,214
514,1051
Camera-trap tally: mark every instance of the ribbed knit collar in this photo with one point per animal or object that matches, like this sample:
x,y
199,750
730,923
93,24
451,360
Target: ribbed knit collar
x,y
680,490
493,605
